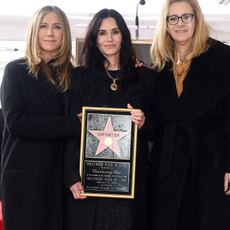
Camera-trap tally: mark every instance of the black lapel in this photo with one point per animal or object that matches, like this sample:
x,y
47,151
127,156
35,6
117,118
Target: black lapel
x,y
165,95
67,101
49,94
206,84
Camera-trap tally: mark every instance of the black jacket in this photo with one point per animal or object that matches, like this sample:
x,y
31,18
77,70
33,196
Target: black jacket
x,y
80,213
193,141
32,150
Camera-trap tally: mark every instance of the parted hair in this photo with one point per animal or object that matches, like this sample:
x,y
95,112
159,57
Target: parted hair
x,y
62,60
92,60
162,48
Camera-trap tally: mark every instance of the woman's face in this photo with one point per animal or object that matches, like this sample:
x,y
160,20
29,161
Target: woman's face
x,y
181,32
109,38
50,35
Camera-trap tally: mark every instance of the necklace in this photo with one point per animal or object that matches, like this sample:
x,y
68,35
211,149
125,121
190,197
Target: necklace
x,y
178,62
113,86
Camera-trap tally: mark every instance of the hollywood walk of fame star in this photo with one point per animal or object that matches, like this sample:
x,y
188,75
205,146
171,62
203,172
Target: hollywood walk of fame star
x,y
108,138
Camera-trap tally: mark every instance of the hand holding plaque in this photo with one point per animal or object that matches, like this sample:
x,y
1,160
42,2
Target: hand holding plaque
x,y
138,117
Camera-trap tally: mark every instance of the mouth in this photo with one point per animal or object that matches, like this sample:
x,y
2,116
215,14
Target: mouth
x,y
49,40
110,46
181,31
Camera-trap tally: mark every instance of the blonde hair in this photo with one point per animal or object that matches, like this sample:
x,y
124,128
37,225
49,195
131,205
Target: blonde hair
x,y
64,57
162,48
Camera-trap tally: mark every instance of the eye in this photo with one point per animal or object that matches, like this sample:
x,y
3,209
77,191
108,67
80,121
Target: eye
x,y
186,16
57,27
43,26
116,32
173,18
101,33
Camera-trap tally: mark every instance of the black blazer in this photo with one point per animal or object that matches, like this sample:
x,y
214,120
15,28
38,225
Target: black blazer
x,y
193,140
32,150
80,213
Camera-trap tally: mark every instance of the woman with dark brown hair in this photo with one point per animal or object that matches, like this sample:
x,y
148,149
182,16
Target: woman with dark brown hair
x,y
107,77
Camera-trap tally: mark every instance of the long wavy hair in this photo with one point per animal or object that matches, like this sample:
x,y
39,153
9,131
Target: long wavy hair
x,y
162,48
92,60
62,61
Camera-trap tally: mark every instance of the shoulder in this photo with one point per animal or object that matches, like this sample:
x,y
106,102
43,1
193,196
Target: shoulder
x,y
219,49
76,71
149,74
16,68
220,56
147,79
219,46
214,64
148,70
217,57
16,64
76,74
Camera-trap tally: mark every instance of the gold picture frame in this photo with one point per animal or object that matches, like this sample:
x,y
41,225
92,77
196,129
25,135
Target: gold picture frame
x,y
108,152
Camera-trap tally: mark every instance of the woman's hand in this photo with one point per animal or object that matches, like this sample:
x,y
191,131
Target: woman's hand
x,y
226,184
80,116
77,189
138,117
138,63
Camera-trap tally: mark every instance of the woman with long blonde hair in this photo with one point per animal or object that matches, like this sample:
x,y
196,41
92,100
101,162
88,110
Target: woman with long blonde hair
x,y
190,171
35,100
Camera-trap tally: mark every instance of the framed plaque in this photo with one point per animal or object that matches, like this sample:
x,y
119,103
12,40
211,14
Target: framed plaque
x,y
108,152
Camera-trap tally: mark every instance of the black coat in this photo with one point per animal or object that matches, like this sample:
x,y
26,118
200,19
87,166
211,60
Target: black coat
x,y
192,149
80,213
32,156
1,133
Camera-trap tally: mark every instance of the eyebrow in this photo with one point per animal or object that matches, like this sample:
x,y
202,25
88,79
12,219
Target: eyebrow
x,y
56,23
178,15
112,29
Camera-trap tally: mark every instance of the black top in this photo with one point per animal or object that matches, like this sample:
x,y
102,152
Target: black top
x,y
112,213
115,96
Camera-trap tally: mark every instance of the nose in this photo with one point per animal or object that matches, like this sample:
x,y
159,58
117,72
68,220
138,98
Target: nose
x,y
50,31
109,37
180,22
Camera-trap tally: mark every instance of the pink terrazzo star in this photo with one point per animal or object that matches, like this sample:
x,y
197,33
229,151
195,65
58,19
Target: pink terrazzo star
x,y
108,138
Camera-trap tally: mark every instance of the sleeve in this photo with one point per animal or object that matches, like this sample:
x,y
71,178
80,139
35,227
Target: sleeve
x,y
220,64
71,173
226,103
20,122
150,127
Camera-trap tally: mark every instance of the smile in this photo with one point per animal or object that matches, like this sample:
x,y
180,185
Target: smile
x,y
110,46
181,31
49,40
